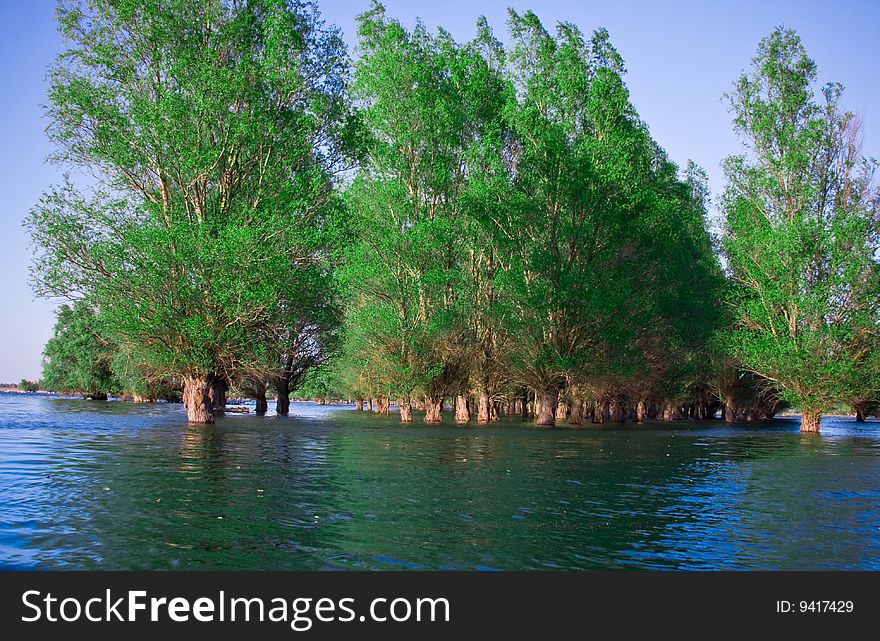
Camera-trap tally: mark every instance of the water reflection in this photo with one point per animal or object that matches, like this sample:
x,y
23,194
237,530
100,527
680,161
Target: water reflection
x,y
114,485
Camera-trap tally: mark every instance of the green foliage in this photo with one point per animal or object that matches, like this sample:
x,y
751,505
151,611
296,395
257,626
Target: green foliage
x,y
430,107
320,384
28,386
215,130
514,224
801,234
509,223
78,357
603,236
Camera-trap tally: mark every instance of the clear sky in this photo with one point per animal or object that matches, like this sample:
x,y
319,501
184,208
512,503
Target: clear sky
x,y
681,56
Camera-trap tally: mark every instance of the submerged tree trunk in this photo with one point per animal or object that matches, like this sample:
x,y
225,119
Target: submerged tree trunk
x,y
588,411
524,405
282,402
462,415
197,399
359,404
483,407
640,412
217,392
618,412
561,411
262,403
370,404
383,406
810,421
577,413
671,412
405,409
600,409
256,389
547,402
729,410
433,410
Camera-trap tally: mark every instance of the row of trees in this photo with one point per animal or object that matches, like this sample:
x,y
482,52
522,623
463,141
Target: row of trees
x,y
484,224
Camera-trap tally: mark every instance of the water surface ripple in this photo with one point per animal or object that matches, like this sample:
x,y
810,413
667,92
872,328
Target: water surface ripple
x,y
109,485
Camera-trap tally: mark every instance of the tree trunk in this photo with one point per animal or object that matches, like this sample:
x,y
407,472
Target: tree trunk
x,y
547,402
483,407
561,411
282,402
197,399
810,421
433,410
217,392
524,407
640,412
599,411
383,406
618,412
359,404
588,411
262,403
405,410
97,396
577,413
370,404
671,412
729,411
462,415
860,414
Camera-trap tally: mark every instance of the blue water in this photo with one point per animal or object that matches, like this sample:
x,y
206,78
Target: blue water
x,y
111,485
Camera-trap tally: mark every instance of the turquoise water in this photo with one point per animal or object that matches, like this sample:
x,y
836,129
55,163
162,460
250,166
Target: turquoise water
x,y
110,485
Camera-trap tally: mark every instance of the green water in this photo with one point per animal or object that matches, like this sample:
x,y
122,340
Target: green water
x,y
95,485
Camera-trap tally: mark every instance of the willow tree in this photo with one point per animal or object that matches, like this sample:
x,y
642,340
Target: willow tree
x,y
427,102
79,356
213,129
801,235
570,224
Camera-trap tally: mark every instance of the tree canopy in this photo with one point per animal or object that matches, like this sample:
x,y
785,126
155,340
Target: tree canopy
x,y
214,130
486,223
802,234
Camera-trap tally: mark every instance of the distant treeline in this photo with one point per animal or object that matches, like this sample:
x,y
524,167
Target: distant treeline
x,y
484,225
23,385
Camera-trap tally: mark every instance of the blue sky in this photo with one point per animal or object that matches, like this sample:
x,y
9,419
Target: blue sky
x,y
681,56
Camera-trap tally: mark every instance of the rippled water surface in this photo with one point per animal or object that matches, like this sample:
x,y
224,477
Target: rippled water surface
x,y
108,485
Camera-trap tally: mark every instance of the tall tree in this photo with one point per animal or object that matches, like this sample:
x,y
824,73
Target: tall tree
x,y
599,234
79,356
427,102
801,235
214,129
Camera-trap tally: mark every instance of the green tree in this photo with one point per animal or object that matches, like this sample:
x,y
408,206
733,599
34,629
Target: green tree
x,y
28,386
600,237
429,105
78,357
214,129
801,235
